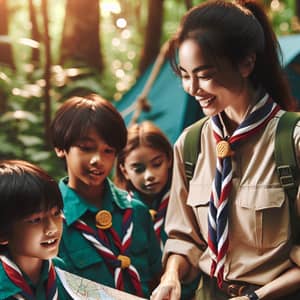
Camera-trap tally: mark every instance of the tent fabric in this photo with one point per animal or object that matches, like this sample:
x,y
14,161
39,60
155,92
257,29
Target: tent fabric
x,y
172,109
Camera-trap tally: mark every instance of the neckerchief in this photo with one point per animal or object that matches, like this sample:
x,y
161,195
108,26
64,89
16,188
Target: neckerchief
x,y
117,263
15,275
218,241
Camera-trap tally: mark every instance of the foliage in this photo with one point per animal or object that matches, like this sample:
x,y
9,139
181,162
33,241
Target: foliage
x,y
22,122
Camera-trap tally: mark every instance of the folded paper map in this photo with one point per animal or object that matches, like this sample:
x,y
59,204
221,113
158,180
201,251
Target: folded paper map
x,y
80,288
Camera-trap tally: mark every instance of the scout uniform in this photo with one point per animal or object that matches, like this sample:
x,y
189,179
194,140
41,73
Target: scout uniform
x,y
258,252
88,258
8,289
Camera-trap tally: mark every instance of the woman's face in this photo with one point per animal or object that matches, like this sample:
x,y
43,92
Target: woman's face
x,y
215,88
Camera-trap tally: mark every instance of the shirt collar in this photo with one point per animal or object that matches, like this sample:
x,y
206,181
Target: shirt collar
x,y
75,206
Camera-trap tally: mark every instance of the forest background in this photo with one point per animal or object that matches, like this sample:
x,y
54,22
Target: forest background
x,y
50,50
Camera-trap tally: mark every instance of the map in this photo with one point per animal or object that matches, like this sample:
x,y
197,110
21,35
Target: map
x,y
80,288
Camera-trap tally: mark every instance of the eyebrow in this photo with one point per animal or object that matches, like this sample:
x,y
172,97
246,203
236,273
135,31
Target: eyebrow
x,y
197,69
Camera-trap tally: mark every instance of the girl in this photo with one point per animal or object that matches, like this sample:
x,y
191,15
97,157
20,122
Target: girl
x,y
232,221
144,169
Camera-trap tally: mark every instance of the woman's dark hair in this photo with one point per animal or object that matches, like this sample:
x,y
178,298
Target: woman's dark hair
x,y
143,134
24,189
232,31
78,114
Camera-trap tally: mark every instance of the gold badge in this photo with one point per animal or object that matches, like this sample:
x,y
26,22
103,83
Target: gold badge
x,y
125,261
153,213
103,219
223,149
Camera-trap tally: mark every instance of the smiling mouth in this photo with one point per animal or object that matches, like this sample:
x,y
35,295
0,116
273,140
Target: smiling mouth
x,y
151,186
49,242
205,103
96,172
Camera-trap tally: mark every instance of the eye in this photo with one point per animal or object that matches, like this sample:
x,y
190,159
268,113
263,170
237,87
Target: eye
x,y
57,212
157,164
110,151
139,168
36,220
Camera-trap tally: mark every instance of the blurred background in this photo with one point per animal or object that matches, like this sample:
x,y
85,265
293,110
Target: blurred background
x,y
51,50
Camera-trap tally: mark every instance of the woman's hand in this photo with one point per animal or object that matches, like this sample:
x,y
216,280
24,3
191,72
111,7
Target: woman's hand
x,y
239,298
168,289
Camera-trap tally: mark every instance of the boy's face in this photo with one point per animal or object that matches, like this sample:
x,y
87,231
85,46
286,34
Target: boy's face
x,y
89,162
36,236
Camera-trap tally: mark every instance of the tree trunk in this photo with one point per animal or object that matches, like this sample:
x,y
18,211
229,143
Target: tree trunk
x,y
35,35
81,40
47,72
188,4
6,54
153,34
298,9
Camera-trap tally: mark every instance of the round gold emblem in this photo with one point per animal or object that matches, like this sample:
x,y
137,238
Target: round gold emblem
x,y
125,261
153,213
223,149
103,219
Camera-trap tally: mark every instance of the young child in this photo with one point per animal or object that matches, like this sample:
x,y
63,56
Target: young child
x,y
30,232
144,169
106,238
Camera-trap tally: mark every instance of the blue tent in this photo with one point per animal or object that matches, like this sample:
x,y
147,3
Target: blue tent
x,y
290,45
171,109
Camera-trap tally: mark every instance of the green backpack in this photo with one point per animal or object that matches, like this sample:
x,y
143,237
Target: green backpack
x,y
287,168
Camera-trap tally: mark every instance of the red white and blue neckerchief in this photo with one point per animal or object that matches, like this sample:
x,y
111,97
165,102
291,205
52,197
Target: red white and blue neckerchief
x,y
98,238
160,215
218,241
15,275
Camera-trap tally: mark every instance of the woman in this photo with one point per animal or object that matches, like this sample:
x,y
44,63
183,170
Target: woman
x,y
231,222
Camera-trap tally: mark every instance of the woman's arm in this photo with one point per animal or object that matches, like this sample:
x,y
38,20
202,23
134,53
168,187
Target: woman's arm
x,y
283,285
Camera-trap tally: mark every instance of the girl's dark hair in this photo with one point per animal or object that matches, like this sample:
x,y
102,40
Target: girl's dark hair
x,y
232,31
24,189
143,134
78,114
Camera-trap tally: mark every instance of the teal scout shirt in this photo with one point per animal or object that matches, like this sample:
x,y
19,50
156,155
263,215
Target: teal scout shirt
x,y
8,289
154,205
83,259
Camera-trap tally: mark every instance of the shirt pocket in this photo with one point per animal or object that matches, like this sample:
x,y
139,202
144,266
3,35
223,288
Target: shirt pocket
x,y
262,215
198,198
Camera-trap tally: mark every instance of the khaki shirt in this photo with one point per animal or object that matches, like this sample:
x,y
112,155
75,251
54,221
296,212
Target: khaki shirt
x,y
259,227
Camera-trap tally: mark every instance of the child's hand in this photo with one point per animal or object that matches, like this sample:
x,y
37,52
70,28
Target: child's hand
x,y
239,298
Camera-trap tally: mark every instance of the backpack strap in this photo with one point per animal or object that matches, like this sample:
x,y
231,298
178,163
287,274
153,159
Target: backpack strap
x,y
287,167
192,147
285,157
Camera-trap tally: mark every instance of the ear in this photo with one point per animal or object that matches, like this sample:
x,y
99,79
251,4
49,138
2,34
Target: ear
x,y
247,65
59,152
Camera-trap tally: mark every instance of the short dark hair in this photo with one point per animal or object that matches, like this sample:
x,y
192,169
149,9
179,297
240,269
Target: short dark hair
x,y
78,114
143,134
24,189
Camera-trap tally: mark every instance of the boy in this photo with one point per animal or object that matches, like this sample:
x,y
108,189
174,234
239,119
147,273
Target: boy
x,y
106,237
30,232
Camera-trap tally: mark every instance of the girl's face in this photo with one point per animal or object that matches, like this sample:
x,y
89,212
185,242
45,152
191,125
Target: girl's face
x,y
147,169
214,89
36,237
89,162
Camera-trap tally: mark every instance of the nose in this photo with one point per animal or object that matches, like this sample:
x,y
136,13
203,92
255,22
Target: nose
x,y
94,159
149,176
194,86
50,226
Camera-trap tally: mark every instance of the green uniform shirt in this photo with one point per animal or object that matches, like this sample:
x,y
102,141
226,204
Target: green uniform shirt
x,y
8,289
82,258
